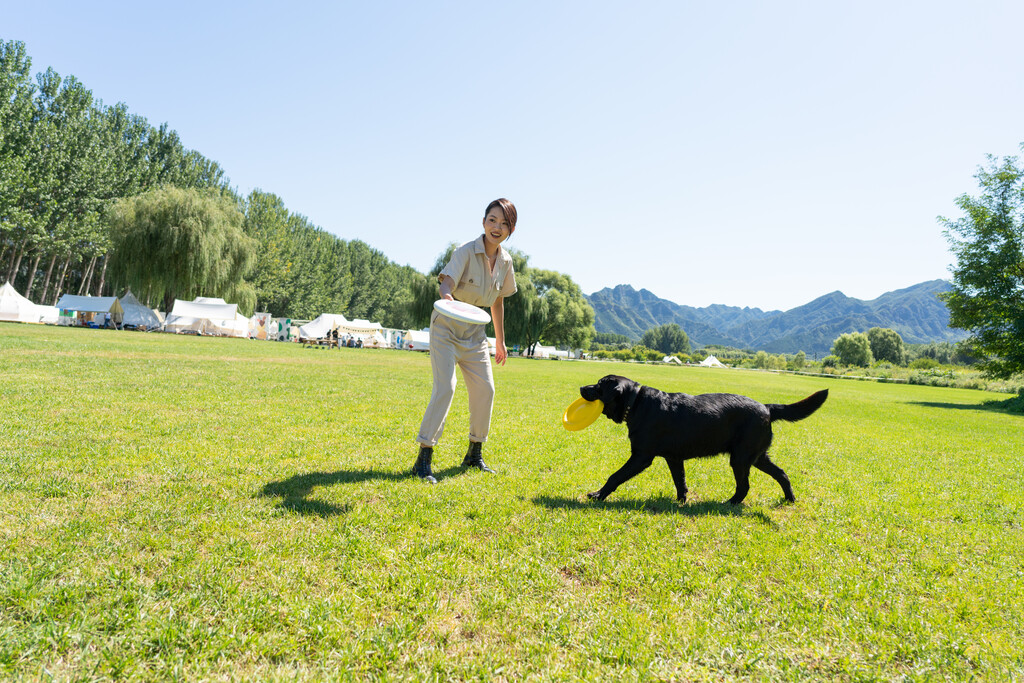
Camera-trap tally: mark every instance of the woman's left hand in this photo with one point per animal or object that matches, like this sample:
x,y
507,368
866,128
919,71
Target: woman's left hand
x,y
500,353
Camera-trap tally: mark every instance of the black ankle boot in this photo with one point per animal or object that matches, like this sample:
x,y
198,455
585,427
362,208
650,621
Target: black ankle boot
x,y
422,467
474,457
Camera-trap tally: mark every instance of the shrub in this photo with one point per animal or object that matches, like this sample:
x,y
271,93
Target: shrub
x,y
924,363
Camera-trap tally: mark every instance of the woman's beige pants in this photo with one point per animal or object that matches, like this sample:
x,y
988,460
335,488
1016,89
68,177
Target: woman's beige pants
x,y
464,344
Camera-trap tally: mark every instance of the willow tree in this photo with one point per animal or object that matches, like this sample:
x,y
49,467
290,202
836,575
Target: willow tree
x,y
173,243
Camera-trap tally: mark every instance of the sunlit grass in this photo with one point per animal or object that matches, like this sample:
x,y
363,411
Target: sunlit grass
x,y
214,508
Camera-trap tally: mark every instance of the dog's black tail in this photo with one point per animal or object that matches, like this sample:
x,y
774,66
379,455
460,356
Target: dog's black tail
x,y
799,410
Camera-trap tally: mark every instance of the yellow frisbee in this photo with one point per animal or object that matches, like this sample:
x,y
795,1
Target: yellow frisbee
x,y
581,413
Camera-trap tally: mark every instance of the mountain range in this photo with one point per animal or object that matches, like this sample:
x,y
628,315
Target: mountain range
x,y
915,312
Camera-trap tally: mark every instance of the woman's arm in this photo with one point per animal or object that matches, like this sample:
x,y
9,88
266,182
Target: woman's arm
x,y
447,284
498,318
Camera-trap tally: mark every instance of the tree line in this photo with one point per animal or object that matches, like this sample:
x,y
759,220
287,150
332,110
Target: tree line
x,y
64,157
95,200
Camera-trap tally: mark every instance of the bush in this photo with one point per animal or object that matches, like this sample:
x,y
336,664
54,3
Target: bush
x,y
924,363
829,361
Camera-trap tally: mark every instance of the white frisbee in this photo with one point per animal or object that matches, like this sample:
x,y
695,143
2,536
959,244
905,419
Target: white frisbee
x,y
461,311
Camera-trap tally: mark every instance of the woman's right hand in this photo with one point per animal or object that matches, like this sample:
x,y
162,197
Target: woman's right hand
x,y
446,288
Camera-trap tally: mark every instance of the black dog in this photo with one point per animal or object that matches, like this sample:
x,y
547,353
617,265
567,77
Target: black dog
x,y
679,427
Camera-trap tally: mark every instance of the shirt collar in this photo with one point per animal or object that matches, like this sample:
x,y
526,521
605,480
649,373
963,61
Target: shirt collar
x,y
478,248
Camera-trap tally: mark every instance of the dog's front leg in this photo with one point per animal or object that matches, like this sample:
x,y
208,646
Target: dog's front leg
x,y
636,464
678,470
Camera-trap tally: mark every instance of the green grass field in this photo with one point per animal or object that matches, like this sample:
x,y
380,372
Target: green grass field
x,y
195,508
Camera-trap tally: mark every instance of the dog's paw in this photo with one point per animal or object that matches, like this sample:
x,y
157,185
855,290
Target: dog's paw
x,y
595,495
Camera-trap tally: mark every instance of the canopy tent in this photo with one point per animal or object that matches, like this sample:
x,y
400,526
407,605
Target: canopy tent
x,y
137,315
672,359
322,326
370,333
711,362
207,315
361,328
93,304
16,308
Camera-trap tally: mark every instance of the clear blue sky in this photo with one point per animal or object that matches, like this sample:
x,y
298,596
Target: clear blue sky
x,y
748,153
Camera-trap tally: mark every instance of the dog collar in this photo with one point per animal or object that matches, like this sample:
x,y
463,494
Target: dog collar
x,y
632,400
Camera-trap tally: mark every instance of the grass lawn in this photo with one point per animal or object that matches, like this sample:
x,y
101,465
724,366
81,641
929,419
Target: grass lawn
x,y
176,507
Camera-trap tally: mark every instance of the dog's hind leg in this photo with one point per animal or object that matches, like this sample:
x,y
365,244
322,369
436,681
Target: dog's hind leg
x,y
741,471
678,470
765,464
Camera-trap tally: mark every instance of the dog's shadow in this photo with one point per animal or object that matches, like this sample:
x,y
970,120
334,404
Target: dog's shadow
x,y
659,505
294,491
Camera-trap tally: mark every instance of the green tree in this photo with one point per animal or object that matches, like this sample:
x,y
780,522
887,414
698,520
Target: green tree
x,y
987,298
887,345
570,319
668,339
853,349
609,340
179,244
799,361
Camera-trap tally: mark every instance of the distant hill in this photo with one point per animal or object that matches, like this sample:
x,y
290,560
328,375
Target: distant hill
x,y
915,312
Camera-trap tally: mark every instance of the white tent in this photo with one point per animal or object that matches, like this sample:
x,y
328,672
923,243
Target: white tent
x,y
137,315
361,328
49,314
16,308
207,315
375,341
672,359
322,326
93,304
711,362
416,340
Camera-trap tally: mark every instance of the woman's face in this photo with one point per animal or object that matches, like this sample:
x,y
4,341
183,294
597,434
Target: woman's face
x,y
496,228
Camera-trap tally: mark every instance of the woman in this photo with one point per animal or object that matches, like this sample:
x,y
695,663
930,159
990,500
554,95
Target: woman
x,y
479,273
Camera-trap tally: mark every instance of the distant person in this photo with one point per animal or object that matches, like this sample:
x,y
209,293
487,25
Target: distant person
x,y
479,273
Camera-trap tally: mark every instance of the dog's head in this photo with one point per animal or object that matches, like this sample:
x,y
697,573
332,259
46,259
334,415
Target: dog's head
x,y
615,392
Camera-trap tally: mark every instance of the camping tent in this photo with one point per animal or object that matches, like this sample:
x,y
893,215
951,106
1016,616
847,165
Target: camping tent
x,y
711,362
93,304
16,308
207,315
416,340
137,315
322,326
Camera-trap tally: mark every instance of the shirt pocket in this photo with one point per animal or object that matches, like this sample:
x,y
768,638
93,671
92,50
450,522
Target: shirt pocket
x,y
475,277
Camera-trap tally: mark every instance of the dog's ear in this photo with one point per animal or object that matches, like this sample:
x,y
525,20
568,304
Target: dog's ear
x,y
613,388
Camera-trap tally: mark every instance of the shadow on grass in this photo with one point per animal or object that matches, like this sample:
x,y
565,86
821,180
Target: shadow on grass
x,y
295,490
1008,406
660,505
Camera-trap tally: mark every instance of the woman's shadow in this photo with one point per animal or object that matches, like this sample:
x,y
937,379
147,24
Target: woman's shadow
x,y
294,491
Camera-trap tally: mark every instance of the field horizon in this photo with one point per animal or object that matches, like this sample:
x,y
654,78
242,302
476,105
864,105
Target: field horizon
x,y
179,507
